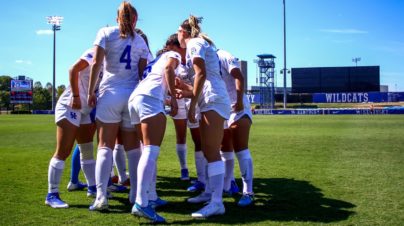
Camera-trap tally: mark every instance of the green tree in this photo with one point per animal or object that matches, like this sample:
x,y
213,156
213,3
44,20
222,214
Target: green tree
x,y
5,81
60,90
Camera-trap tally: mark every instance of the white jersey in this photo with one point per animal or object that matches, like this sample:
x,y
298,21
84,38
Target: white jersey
x,y
83,80
227,63
154,84
121,58
214,89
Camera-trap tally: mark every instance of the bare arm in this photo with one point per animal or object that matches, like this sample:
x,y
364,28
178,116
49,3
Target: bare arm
x,y
169,74
141,66
239,79
95,71
74,82
200,77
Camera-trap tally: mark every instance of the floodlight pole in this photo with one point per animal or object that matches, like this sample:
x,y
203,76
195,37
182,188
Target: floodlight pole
x,y
55,21
284,56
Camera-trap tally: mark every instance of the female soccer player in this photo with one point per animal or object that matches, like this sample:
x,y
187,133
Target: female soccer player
x,y
209,92
237,134
73,122
146,106
124,54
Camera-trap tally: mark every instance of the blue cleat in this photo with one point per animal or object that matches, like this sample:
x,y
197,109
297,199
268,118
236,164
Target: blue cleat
x,y
233,189
76,187
117,188
148,213
91,191
157,203
53,200
184,174
197,186
246,200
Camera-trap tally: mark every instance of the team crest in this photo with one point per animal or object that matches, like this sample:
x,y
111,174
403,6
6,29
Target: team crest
x,y
193,51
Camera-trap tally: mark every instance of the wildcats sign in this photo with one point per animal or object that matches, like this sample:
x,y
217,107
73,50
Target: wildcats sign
x,y
21,91
360,97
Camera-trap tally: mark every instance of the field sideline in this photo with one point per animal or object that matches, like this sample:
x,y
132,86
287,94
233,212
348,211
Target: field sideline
x,y
309,170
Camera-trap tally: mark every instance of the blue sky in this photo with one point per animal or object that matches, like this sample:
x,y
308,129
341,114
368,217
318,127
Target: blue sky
x,y
319,32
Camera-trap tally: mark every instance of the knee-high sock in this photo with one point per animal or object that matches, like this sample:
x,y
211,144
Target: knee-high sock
x,y
55,171
152,195
246,170
102,170
228,160
75,166
145,171
216,176
87,162
133,162
200,165
120,162
182,155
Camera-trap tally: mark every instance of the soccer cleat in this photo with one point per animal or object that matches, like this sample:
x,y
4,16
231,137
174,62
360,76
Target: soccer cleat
x,y
246,200
117,188
99,205
126,183
114,179
197,186
203,197
157,203
148,213
76,187
53,200
92,191
184,174
213,208
233,189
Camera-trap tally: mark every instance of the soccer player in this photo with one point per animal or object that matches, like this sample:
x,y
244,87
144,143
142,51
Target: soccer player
x,y
73,123
209,92
124,54
146,106
237,129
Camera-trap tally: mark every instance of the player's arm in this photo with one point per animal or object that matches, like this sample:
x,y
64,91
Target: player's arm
x,y
74,82
95,71
239,80
200,77
141,66
169,74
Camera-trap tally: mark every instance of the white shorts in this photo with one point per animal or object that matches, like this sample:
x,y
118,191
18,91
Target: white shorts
x,y
74,116
235,116
220,108
112,107
142,107
182,110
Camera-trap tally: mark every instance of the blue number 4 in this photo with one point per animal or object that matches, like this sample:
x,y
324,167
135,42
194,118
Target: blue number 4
x,y
125,57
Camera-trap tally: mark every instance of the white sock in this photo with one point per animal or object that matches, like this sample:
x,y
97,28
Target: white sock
x,y
145,171
55,171
182,155
102,170
246,169
228,160
152,195
120,162
200,165
216,176
87,162
133,162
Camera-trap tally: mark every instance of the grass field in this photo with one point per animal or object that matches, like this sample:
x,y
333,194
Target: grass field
x,y
309,170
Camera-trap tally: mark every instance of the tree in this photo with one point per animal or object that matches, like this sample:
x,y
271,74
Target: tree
x,y
60,90
38,85
5,81
42,99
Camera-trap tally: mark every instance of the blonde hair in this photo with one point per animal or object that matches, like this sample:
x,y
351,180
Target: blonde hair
x,y
191,25
127,16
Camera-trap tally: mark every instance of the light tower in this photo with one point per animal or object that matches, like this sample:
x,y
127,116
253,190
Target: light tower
x,y
266,67
356,60
56,21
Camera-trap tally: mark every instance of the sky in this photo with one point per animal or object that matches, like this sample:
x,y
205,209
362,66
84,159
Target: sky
x,y
319,33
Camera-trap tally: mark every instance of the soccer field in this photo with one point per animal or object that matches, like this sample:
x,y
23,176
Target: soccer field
x,y
309,170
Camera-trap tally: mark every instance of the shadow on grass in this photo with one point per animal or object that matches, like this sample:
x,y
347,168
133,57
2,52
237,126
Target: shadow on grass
x,y
276,199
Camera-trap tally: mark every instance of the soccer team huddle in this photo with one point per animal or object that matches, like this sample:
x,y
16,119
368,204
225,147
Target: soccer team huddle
x,y
120,91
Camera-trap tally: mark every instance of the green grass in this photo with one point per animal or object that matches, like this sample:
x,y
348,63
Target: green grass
x,y
309,170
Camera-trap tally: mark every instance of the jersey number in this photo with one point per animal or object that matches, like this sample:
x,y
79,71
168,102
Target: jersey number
x,y
125,57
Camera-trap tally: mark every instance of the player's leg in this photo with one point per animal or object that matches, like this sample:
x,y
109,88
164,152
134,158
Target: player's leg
x,y
181,146
227,155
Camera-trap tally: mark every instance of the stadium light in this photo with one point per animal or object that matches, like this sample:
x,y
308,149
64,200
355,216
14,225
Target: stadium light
x,y
56,22
356,60
284,55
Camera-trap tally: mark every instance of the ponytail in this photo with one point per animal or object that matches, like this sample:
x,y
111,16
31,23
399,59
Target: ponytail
x,y
127,16
191,25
